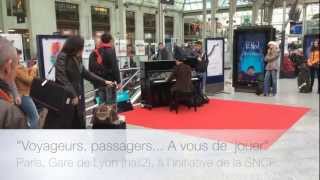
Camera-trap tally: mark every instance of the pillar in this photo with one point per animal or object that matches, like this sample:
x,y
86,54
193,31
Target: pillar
x,y
204,19
161,23
232,11
139,34
120,20
214,8
304,19
41,20
85,20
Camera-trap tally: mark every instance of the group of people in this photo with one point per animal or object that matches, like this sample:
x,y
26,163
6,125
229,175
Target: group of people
x,y
272,64
17,109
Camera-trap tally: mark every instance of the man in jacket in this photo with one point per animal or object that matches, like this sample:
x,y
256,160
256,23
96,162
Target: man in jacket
x,y
10,115
163,53
182,73
103,62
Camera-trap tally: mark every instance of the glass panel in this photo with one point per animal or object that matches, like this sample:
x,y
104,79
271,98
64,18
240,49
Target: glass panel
x,y
149,26
130,25
169,27
67,15
100,17
16,8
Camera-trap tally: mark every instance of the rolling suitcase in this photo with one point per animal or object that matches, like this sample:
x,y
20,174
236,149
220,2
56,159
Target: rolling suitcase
x,y
304,80
105,116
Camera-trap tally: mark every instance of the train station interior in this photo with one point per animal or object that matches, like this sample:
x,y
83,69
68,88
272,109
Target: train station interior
x,y
242,72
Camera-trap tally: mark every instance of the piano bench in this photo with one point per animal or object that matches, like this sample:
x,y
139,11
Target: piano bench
x,y
186,98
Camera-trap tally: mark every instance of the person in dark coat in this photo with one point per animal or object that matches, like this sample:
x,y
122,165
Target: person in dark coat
x,y
163,53
103,61
70,73
182,73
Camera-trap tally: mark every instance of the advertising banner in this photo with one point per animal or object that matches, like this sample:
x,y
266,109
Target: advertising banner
x,y
140,48
251,47
89,46
215,54
48,47
121,47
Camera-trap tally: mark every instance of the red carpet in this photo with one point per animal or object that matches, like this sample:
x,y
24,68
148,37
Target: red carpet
x,y
231,121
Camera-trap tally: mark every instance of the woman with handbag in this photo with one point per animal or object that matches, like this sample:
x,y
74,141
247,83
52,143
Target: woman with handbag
x,y
70,73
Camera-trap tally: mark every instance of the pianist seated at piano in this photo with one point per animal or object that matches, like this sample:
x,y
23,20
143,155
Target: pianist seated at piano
x,y
182,73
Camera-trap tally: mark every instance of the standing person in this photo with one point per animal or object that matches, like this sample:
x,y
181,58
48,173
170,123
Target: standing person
x,y
163,53
131,56
70,73
10,115
202,65
200,55
103,62
23,83
271,68
313,63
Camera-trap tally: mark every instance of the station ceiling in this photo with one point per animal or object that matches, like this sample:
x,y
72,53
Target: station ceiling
x,y
194,5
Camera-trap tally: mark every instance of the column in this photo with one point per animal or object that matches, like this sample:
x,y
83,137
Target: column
x,y
283,33
270,13
304,19
161,23
121,20
255,11
214,8
85,20
1,18
139,26
232,11
41,20
178,27
204,19
3,15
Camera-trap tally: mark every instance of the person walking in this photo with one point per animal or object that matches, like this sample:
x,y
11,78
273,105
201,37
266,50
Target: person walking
x,y
271,68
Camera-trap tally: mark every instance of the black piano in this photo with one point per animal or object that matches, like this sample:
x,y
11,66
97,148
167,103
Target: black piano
x,y
155,91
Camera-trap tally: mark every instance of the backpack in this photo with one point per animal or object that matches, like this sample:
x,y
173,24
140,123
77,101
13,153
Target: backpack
x,y
304,80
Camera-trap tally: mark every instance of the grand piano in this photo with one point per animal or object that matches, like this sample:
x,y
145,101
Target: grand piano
x,y
155,91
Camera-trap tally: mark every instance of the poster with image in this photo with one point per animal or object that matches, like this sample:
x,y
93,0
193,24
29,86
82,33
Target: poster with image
x,y
215,54
49,48
89,46
251,47
140,47
121,47
16,40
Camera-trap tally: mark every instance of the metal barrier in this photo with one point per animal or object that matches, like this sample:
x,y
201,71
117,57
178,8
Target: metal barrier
x,y
90,95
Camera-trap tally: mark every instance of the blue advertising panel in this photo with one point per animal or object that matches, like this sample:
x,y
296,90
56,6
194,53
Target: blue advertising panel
x,y
249,49
251,56
295,27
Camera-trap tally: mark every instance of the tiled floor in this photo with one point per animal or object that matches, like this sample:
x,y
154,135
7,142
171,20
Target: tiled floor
x,y
296,153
